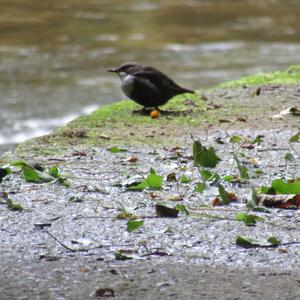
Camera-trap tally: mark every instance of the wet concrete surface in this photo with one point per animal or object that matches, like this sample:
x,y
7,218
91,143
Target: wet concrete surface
x,y
61,249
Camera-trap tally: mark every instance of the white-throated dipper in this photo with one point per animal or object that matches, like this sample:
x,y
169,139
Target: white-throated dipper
x,y
146,85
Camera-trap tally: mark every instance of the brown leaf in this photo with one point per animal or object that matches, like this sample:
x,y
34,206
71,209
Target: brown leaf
x,y
133,159
278,201
166,212
224,121
171,177
258,91
105,292
247,146
241,119
216,202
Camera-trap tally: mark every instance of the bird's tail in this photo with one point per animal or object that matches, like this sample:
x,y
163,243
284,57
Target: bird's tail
x,y
183,91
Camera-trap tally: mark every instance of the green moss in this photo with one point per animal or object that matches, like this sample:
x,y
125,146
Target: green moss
x,y
116,124
290,76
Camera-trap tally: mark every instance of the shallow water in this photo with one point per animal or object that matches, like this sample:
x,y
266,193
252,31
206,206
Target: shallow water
x,y
54,55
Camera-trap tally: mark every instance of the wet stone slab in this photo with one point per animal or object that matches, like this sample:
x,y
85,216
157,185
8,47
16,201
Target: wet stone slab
x,y
63,245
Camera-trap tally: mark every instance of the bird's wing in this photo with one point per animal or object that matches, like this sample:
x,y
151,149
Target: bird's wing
x,y
157,82
160,81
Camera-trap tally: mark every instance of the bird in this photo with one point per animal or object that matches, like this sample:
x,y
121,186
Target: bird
x,y
146,85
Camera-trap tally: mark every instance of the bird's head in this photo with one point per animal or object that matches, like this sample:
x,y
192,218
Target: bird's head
x,y
125,69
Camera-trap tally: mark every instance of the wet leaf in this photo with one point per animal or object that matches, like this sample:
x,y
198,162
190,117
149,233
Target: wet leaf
x,y
248,219
4,172
229,178
282,187
126,215
105,292
204,157
14,206
75,199
209,176
19,164
242,169
116,150
182,208
120,256
171,177
258,140
279,201
32,175
235,139
185,179
134,224
247,242
224,195
295,138
166,212
289,157
153,182
133,159
200,187
54,171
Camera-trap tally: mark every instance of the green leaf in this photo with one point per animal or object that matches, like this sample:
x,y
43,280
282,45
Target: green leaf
x,y
121,256
185,179
54,171
289,157
116,150
14,206
274,241
229,178
209,176
282,187
19,164
235,139
182,208
31,175
242,169
204,157
206,174
153,182
295,138
223,194
257,140
134,224
200,187
248,219
4,172
126,215
247,242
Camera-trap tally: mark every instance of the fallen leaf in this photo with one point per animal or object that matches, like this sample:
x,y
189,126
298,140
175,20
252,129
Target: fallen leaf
x,y
133,159
278,201
246,242
171,177
240,119
223,121
105,292
134,225
166,212
247,146
288,111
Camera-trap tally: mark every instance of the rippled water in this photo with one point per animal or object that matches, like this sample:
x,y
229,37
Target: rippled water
x,y
54,55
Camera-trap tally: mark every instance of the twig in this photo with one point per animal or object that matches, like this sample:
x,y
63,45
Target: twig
x,y
84,249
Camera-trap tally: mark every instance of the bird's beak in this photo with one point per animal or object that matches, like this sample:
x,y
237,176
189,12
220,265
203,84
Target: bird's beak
x,y
114,70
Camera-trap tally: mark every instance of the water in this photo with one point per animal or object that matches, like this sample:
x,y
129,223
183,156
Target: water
x,y
54,54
